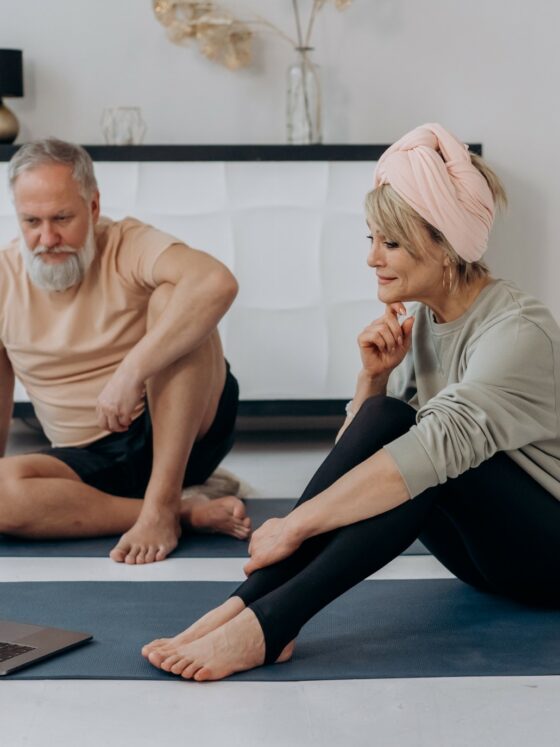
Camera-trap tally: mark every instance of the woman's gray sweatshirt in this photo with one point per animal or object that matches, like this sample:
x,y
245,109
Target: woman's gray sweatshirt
x,y
486,382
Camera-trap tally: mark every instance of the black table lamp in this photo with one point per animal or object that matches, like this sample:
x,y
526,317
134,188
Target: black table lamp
x,y
11,84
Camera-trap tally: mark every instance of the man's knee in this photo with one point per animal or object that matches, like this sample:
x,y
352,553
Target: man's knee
x,y
15,503
158,301
13,508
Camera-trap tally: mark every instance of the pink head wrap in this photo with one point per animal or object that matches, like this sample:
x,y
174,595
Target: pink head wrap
x,y
446,190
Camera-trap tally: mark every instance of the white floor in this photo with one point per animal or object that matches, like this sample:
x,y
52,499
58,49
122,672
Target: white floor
x,y
456,712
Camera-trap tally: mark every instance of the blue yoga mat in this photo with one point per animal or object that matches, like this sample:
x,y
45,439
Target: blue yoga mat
x,y
379,629
190,545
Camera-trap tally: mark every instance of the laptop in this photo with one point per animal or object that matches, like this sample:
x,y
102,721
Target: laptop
x,y
22,644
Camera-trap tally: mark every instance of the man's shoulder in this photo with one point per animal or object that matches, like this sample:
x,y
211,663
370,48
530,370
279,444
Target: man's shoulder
x,y
10,257
113,233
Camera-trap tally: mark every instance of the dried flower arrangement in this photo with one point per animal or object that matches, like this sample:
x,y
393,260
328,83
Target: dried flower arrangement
x,y
223,38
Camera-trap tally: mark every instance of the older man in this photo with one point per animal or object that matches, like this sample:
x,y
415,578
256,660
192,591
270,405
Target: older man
x,y
111,327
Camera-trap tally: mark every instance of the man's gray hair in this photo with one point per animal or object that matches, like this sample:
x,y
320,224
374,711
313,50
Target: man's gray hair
x,y
51,150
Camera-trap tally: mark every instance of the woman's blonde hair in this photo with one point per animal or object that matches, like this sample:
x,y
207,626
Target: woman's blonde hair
x,y
400,223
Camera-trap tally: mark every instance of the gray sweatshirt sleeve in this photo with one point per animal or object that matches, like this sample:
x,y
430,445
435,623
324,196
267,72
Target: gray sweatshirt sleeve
x,y
504,401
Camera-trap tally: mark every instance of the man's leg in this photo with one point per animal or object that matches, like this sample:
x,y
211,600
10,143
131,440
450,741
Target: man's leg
x,y
42,497
183,401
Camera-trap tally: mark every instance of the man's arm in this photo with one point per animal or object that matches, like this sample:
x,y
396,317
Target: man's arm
x,y
203,290
7,380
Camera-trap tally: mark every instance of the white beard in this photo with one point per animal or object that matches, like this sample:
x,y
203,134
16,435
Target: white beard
x,y
62,275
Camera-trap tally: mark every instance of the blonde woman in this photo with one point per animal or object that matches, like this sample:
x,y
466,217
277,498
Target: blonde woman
x,y
452,435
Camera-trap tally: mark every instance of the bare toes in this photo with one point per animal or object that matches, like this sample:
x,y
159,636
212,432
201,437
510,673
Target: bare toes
x,y
180,665
239,511
150,556
118,554
132,555
189,672
168,663
203,675
155,658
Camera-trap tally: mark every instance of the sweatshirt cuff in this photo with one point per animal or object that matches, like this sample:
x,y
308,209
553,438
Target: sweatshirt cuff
x,y
413,462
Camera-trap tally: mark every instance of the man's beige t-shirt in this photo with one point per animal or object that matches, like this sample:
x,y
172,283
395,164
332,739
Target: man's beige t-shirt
x,y
65,346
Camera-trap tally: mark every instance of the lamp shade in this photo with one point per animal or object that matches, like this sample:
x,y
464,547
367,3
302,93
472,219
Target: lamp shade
x,y
11,72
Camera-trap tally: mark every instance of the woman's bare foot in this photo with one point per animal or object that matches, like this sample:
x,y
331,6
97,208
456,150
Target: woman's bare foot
x,y
225,515
160,649
235,646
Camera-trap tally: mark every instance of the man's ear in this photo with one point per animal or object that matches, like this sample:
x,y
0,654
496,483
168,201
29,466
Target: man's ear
x,y
94,205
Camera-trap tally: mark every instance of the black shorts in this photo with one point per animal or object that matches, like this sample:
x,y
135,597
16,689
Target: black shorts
x,y
121,463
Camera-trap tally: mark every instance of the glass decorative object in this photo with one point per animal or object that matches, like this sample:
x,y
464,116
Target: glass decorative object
x,y
123,125
303,102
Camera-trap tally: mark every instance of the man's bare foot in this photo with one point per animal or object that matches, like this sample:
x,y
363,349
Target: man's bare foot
x,y
236,646
225,515
152,538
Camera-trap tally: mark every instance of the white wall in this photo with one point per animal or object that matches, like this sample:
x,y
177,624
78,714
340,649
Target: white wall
x,y
484,68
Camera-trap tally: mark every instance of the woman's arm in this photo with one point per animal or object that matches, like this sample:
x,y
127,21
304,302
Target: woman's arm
x,y
371,488
383,345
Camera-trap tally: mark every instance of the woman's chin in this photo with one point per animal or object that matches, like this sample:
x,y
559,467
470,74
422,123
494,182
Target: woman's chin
x,y
387,295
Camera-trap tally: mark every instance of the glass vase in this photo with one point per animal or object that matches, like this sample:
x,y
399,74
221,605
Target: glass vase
x,y
303,111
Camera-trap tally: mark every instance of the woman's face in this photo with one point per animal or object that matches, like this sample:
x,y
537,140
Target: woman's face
x,y
402,277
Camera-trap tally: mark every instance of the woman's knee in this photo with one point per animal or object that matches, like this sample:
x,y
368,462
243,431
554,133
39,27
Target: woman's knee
x,y
388,417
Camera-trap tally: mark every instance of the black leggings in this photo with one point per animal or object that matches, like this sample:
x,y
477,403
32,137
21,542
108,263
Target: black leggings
x,y
493,527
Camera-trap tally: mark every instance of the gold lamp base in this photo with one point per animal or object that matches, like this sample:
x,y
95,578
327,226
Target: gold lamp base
x,y
9,126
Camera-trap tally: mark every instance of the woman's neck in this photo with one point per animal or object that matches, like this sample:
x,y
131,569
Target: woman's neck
x,y
451,306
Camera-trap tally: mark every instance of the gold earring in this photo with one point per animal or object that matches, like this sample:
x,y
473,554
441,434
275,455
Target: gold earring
x,y
447,279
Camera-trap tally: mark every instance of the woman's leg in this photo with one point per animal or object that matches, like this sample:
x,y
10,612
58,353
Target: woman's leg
x,y
506,525
379,421
494,527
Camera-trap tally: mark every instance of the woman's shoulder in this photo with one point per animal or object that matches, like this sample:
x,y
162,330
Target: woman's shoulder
x,y
506,305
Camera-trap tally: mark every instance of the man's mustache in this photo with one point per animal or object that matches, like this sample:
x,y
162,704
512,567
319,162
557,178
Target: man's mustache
x,y
54,250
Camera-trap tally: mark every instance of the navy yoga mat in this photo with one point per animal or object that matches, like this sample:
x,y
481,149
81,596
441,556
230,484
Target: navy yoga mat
x,y
190,546
379,629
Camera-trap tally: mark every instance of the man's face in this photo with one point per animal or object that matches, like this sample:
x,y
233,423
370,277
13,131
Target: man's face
x,y
56,225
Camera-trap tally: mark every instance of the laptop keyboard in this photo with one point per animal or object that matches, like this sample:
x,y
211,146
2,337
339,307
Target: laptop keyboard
x,y
9,650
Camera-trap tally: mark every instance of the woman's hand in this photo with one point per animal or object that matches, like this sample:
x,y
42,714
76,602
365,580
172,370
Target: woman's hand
x,y
272,542
384,343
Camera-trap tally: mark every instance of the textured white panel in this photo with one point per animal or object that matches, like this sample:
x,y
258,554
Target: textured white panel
x,y
6,206
277,257
344,249
294,234
181,188
349,182
8,228
345,322
210,232
276,183
118,184
278,354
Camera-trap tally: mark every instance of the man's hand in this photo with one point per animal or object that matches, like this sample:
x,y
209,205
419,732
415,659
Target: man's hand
x,y
384,343
118,400
272,542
